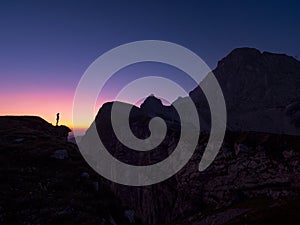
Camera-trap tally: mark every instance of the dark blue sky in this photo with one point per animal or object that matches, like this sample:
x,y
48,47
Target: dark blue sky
x,y
47,45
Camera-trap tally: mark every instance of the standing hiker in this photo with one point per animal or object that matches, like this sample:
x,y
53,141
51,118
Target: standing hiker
x,y
57,119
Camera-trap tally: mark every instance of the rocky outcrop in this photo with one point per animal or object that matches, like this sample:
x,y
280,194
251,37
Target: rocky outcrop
x,y
31,125
45,180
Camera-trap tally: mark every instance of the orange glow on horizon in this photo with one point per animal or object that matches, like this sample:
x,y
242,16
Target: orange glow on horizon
x,y
44,105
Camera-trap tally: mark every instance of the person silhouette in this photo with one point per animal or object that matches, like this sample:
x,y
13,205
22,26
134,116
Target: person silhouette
x,y
57,118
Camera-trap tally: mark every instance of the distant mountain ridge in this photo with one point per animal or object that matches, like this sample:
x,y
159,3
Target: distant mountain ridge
x,y
256,171
260,91
248,76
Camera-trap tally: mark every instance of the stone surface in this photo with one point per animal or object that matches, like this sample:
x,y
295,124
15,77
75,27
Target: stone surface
x,y
60,154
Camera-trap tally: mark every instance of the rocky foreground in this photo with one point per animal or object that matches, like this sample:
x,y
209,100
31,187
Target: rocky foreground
x,y
44,179
255,179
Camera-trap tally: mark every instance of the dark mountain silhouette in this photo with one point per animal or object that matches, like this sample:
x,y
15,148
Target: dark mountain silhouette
x,y
255,178
252,80
260,90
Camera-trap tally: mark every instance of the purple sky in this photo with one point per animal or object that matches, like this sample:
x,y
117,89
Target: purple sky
x,y
45,46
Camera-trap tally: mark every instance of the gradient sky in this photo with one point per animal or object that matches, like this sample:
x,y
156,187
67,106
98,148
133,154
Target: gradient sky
x,y
45,46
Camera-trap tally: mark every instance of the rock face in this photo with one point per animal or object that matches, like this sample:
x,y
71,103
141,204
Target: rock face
x,y
258,89
254,175
255,178
42,182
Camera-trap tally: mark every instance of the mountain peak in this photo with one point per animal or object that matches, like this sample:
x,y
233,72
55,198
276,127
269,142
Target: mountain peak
x,y
150,100
246,55
244,51
257,86
240,55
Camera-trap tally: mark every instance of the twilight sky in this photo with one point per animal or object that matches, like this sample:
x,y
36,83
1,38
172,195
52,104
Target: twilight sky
x,y
45,46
